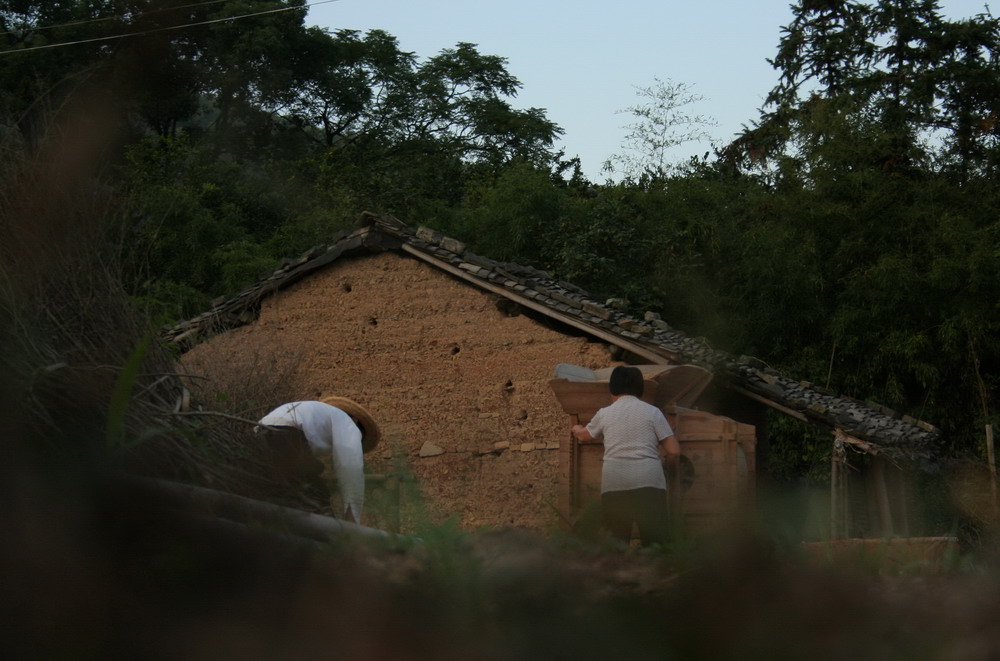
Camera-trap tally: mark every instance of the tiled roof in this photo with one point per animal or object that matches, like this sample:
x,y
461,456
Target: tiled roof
x,y
867,425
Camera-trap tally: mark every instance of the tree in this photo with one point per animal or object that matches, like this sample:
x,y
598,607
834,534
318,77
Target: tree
x,y
157,61
427,127
660,126
347,87
36,84
897,69
520,215
880,151
461,96
968,80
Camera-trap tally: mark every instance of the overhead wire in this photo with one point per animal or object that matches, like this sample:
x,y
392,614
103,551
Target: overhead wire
x,y
102,19
163,29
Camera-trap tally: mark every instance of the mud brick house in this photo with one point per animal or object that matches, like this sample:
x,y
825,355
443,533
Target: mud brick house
x,y
454,353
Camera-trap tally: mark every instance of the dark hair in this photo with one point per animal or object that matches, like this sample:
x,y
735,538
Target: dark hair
x,y
626,380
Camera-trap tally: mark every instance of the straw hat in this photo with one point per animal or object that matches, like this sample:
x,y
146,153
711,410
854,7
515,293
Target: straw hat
x,y
370,433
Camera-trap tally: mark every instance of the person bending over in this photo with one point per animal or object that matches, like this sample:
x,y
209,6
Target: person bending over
x,y
301,432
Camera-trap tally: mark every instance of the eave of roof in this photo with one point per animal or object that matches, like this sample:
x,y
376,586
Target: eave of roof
x,y
871,427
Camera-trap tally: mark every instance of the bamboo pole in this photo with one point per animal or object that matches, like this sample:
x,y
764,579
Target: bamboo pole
x,y
903,520
840,511
573,469
993,467
834,491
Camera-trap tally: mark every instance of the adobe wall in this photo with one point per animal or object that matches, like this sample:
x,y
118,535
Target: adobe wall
x,y
438,365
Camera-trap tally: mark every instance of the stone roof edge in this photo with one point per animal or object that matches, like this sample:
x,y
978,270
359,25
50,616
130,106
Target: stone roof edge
x,y
243,308
880,430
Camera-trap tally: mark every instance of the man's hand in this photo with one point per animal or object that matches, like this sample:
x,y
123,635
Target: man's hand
x,y
581,434
670,448
670,452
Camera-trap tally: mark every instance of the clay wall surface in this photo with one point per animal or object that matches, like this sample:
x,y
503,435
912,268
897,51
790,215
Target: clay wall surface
x,y
459,388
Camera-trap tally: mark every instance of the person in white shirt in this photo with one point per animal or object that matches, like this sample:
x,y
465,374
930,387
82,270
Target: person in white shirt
x,y
338,428
637,438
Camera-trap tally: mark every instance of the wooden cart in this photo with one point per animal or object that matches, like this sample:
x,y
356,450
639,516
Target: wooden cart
x,y
717,453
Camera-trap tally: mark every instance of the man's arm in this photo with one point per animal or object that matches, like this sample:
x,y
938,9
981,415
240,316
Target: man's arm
x,y
670,454
582,434
349,465
670,450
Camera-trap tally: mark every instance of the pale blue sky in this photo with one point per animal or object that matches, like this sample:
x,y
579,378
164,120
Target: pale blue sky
x,y
581,60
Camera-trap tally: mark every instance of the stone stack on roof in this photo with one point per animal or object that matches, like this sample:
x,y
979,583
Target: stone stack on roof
x,y
867,425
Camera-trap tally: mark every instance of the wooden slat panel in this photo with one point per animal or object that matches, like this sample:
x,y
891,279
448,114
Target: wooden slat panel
x,y
591,463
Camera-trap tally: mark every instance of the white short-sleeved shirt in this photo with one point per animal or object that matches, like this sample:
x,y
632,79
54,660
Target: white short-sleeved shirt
x,y
631,430
330,432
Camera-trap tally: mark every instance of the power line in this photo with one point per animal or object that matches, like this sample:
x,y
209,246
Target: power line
x,y
38,28
171,27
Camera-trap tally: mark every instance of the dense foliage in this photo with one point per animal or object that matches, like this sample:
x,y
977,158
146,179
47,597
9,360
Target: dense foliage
x,y
849,236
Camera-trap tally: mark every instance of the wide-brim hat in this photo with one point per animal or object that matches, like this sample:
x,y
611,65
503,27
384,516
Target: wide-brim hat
x,y
370,433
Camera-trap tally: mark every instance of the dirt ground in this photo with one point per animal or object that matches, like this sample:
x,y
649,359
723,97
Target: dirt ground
x,y
459,387
89,572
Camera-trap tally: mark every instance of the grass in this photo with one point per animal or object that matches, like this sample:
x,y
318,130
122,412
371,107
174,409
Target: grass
x,y
91,572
